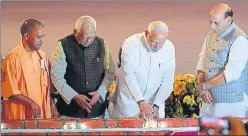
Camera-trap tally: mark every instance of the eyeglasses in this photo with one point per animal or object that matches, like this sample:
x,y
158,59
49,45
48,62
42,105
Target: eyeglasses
x,y
157,43
87,38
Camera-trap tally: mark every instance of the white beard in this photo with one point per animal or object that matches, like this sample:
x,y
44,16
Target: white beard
x,y
149,47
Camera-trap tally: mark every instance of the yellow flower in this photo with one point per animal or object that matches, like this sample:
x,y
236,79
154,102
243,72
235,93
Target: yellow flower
x,y
179,77
112,87
189,100
179,87
194,115
183,77
187,77
186,99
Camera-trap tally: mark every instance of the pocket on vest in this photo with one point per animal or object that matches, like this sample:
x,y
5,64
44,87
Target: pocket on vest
x,y
99,65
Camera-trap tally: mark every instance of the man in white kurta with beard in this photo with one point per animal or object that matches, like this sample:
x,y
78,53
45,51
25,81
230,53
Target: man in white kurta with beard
x,y
146,74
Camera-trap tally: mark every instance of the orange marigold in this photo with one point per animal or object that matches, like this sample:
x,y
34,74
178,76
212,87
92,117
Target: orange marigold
x,y
179,87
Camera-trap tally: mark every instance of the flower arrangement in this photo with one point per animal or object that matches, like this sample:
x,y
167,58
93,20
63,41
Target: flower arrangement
x,y
184,101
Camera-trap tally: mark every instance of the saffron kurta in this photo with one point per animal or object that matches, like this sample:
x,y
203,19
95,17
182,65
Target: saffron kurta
x,y
27,75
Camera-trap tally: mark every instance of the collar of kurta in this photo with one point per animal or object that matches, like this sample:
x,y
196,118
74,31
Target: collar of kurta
x,y
228,30
23,54
144,41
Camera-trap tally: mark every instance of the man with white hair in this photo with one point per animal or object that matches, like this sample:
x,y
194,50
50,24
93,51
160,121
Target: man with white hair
x,y
146,74
82,71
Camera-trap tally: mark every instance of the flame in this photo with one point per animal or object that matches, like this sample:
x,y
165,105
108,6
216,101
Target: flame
x,y
70,126
82,125
73,126
65,126
2,126
150,124
162,125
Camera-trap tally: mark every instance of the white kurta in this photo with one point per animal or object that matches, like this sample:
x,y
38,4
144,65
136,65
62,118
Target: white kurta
x,y
143,75
237,109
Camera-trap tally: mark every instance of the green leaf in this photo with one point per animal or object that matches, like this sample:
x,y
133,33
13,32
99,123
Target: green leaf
x,y
181,110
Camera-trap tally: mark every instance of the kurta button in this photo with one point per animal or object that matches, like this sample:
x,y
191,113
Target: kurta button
x,y
87,83
209,70
213,50
211,60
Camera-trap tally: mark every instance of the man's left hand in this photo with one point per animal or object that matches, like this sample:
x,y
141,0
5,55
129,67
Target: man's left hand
x,y
54,112
155,113
95,97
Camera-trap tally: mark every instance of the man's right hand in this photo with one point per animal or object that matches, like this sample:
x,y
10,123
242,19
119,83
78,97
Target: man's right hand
x,y
35,109
205,95
83,101
145,109
200,90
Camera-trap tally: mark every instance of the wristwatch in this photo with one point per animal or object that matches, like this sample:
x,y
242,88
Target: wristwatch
x,y
204,87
